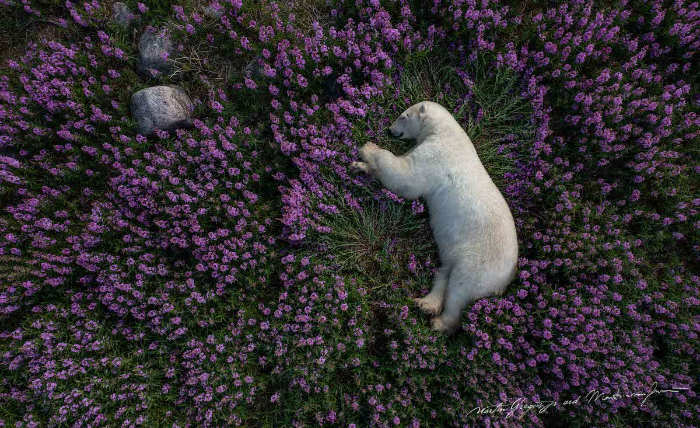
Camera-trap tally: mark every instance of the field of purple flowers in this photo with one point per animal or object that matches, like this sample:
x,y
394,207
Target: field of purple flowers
x,y
238,273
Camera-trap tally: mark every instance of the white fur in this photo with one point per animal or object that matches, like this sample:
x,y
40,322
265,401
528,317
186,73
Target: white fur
x,y
471,222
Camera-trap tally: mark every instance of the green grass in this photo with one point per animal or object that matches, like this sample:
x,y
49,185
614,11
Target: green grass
x,y
377,241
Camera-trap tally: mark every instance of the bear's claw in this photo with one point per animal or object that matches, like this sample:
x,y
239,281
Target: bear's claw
x,y
429,306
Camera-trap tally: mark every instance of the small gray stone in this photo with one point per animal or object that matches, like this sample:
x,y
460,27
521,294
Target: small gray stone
x,y
254,66
332,90
122,15
212,13
151,49
161,107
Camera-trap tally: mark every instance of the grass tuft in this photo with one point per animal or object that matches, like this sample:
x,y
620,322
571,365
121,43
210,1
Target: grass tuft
x,y
378,240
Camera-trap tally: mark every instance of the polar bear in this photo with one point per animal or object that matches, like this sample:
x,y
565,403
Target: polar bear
x,y
471,222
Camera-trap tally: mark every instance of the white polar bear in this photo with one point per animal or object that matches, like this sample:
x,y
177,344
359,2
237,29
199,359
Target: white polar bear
x,y
471,222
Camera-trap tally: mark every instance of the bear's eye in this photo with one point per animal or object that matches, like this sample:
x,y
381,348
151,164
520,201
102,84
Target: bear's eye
x,y
402,117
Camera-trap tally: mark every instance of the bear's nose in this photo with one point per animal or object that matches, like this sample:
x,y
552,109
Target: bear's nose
x,y
388,132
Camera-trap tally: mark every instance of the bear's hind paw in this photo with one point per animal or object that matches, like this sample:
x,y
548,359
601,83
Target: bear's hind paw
x,y
443,325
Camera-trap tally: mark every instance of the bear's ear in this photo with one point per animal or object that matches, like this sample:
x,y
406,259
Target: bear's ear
x,y
423,108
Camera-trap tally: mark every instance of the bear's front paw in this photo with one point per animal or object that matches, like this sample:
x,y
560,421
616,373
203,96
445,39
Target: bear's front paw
x,y
367,151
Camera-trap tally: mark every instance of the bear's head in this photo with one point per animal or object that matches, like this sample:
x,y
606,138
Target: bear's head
x,y
412,121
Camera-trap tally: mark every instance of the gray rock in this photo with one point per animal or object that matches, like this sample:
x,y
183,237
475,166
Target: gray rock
x,y
151,49
212,13
254,66
122,15
332,90
161,107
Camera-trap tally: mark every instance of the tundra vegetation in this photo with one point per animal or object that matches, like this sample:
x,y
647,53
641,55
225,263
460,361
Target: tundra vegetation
x,y
235,272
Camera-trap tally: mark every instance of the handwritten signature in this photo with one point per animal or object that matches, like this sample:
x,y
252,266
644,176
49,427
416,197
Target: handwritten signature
x,y
594,396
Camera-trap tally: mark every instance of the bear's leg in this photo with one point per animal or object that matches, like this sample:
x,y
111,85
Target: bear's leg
x,y
463,287
394,173
432,303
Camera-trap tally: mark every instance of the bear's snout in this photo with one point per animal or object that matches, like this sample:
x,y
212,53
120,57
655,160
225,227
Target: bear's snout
x,y
391,133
